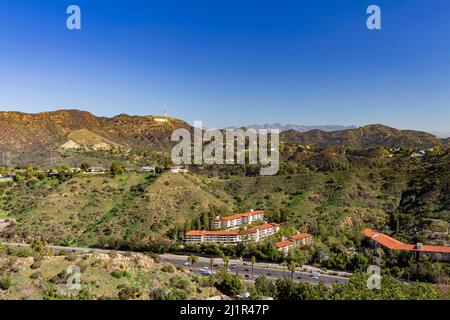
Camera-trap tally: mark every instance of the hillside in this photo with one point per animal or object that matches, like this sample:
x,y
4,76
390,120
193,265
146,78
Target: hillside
x,y
335,199
365,137
26,274
30,137
100,210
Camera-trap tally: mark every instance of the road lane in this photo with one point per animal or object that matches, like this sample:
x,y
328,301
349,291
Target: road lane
x,y
271,271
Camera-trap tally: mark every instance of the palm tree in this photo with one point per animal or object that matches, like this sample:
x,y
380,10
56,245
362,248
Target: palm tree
x,y
211,264
226,261
192,260
285,265
291,266
253,264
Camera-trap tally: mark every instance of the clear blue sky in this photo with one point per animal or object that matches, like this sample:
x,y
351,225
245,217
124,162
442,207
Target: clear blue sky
x,y
231,62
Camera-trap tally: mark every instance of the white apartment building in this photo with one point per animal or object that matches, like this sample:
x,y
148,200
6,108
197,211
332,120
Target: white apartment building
x,y
252,234
298,240
200,236
235,221
260,232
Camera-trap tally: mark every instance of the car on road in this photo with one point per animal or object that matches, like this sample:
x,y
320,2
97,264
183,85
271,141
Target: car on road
x,y
269,274
247,270
315,275
247,276
187,264
205,273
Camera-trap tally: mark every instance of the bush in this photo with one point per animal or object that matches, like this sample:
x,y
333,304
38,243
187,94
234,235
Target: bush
x,y
230,285
71,257
35,275
36,265
5,283
168,268
128,293
119,274
60,278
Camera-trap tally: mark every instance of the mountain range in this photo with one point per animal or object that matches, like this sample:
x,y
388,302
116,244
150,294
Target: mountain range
x,y
296,127
31,136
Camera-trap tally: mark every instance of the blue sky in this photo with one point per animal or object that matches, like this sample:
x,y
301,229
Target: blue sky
x,y
231,62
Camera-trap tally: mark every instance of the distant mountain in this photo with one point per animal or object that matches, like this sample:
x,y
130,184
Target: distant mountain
x,y
299,128
441,134
365,137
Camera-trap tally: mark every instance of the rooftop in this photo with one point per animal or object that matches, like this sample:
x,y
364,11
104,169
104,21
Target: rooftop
x,y
261,227
394,244
301,236
283,244
211,233
246,214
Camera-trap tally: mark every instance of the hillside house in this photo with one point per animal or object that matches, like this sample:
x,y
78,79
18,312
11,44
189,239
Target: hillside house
x,y
392,246
258,233
179,170
97,170
297,241
7,178
150,169
200,236
237,220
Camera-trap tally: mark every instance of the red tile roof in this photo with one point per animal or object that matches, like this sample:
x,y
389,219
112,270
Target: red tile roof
x,y
211,233
261,227
246,214
283,244
394,244
301,236
292,239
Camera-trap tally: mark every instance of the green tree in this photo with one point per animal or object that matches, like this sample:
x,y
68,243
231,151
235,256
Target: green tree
x,y
265,287
226,261
253,264
38,246
291,266
193,260
117,168
228,284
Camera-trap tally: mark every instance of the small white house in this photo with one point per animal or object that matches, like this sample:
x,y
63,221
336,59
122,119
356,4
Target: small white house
x,y
148,169
179,170
4,178
419,154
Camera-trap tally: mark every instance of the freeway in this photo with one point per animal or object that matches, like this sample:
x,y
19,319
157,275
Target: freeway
x,y
244,269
